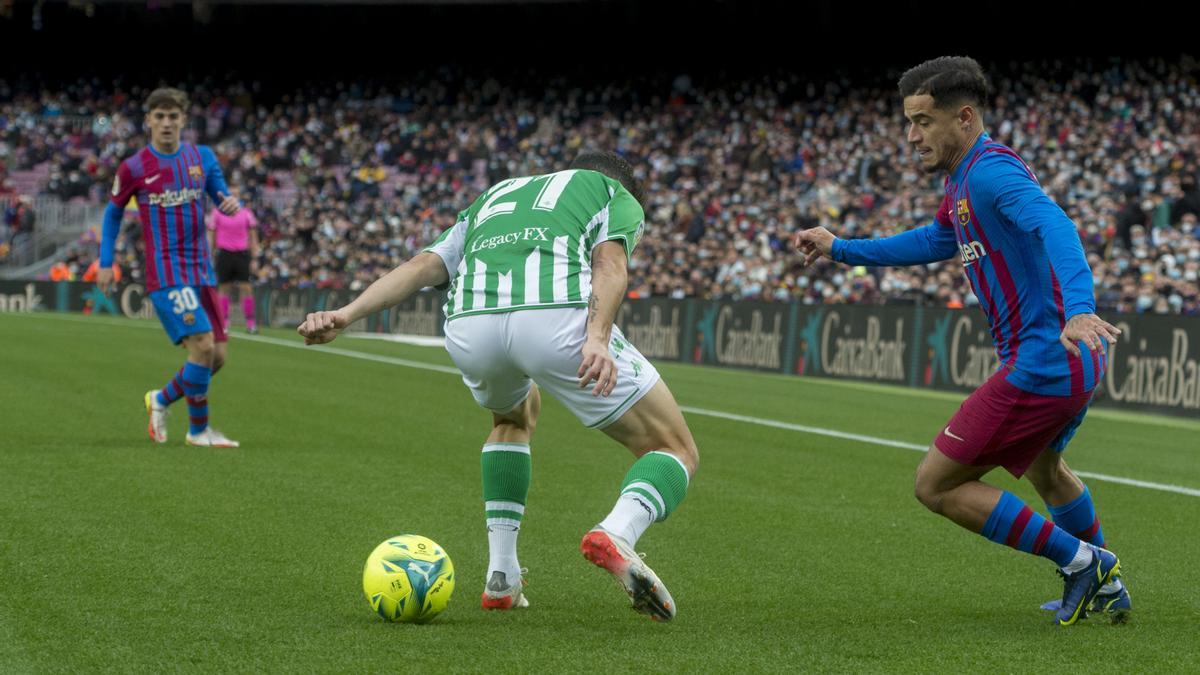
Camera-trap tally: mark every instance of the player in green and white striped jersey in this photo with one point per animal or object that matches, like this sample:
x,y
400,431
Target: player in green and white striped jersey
x,y
535,270
527,242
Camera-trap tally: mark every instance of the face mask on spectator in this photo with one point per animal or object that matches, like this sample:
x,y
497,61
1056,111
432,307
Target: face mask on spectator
x,y
1144,302
1174,273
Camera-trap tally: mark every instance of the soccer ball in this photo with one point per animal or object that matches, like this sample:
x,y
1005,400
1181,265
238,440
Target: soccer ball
x,y
408,578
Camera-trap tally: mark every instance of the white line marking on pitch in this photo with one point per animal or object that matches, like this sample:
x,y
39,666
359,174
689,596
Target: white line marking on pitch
x,y
833,433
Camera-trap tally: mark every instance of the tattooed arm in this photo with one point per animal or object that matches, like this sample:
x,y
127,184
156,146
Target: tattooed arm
x,y
609,276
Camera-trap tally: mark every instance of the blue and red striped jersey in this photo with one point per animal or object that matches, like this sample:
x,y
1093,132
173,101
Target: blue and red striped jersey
x,y
1023,257
170,191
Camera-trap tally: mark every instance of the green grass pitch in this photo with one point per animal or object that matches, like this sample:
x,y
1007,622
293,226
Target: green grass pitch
x,y
792,551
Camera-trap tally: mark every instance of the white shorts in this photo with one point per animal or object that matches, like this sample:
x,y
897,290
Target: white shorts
x,y
500,354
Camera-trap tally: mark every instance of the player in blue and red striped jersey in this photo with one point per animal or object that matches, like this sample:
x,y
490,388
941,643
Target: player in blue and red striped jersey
x,y
170,180
1024,260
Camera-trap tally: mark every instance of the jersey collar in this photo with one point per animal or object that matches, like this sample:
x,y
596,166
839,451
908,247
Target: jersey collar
x,y
161,155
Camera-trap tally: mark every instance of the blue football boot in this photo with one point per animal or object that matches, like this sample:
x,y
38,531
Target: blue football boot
x,y
1080,588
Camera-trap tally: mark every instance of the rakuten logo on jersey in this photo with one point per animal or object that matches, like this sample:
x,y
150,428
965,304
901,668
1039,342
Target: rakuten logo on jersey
x,y
174,197
971,251
528,234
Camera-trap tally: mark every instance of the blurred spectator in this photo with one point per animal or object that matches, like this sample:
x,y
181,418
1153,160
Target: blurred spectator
x,y
355,179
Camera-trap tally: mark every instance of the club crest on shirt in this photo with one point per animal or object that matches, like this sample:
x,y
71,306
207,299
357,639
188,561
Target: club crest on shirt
x,y
196,172
189,319
964,212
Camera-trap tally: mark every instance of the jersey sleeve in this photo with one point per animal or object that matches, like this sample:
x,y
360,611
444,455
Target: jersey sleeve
x,y
109,232
123,186
622,219
1007,185
449,247
920,246
214,180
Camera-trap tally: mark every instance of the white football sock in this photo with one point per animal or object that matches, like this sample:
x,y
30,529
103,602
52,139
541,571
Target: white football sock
x,y
1083,558
629,518
502,548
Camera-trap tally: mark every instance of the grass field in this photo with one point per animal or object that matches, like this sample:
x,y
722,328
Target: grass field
x,y
792,552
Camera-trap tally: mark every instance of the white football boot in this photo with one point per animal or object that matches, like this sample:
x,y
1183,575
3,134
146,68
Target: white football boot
x,y
158,417
498,594
647,592
210,438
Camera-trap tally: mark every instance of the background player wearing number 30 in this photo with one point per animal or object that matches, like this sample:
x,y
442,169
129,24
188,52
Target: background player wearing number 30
x,y
537,269
170,180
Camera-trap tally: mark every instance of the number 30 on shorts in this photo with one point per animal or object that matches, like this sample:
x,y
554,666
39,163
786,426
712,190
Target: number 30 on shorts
x,y
185,300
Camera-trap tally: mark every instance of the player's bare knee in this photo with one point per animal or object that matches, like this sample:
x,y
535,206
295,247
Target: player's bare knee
x,y
522,419
1042,478
930,498
925,489
219,354
202,348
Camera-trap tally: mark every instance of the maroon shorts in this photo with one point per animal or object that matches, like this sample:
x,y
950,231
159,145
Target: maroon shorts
x,y
1001,425
212,307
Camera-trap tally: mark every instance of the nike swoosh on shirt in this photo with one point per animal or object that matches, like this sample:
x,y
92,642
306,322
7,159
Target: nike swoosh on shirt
x,y
153,178
951,435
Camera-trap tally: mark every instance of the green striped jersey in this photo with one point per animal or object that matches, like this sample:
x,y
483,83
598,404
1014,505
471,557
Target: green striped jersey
x,y
526,243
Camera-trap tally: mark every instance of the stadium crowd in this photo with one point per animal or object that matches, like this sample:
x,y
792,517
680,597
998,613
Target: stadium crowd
x,y
348,180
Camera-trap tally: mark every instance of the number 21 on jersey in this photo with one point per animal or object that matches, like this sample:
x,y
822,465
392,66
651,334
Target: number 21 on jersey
x,y
546,200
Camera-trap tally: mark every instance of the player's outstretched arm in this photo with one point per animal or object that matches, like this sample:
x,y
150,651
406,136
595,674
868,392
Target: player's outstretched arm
x,y
919,246
609,277
425,269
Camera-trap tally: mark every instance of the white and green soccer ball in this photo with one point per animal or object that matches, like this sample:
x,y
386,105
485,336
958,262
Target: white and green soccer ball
x,y
408,579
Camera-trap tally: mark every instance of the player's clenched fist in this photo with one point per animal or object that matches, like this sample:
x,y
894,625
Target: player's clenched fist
x,y
814,243
322,327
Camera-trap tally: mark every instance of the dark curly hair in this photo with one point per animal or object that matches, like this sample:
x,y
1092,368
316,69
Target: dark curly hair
x,y
950,80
